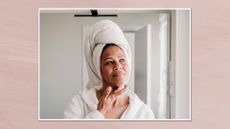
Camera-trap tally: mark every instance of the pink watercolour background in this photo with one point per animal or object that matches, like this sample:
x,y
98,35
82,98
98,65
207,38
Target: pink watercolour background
x,y
210,64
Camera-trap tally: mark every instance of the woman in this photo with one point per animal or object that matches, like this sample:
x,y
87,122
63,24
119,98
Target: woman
x,y
108,60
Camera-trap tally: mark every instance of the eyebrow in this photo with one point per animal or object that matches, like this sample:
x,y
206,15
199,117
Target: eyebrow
x,y
107,58
121,55
112,58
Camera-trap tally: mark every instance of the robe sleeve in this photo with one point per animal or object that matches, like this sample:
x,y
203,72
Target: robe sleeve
x,y
75,110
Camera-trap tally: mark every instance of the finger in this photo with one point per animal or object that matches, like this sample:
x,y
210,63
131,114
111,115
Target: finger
x,y
107,91
105,95
113,97
100,104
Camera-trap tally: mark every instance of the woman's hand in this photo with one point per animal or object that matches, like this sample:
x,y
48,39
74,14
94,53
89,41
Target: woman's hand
x,y
107,99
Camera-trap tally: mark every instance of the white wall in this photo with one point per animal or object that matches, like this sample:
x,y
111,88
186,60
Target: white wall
x,y
60,63
182,61
61,56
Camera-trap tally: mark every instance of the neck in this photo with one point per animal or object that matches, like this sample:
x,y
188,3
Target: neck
x,y
120,101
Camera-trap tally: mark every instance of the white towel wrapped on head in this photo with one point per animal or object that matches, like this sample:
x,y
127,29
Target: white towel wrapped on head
x,y
102,33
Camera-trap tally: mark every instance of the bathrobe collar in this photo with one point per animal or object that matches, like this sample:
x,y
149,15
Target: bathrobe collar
x,y
135,104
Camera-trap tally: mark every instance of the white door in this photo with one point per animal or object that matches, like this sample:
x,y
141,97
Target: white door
x,y
143,64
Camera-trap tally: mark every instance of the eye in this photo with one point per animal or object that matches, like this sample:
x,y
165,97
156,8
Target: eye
x,y
108,62
122,60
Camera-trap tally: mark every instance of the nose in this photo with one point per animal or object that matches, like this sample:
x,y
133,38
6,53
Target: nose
x,y
117,66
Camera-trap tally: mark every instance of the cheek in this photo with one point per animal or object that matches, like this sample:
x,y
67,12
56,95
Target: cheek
x,y
126,67
106,71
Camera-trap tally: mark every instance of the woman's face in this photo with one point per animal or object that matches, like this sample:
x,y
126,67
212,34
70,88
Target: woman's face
x,y
114,66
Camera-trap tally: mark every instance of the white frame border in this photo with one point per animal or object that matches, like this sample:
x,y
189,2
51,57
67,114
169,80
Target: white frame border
x,y
117,120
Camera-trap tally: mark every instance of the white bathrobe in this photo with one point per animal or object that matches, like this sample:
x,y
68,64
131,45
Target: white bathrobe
x,y
84,106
